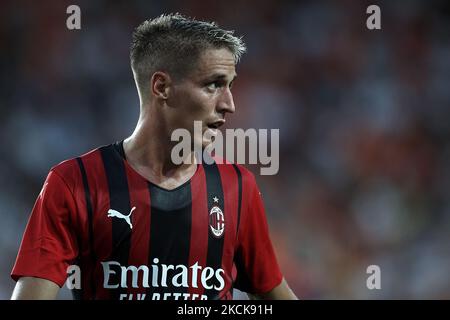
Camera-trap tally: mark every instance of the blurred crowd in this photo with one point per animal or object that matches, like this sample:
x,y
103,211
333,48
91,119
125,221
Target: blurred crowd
x,y
364,119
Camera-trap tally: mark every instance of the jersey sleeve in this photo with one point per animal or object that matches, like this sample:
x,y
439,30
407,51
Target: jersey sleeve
x,y
257,267
49,243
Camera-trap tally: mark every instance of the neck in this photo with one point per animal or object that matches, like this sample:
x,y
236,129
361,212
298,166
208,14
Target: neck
x,y
148,151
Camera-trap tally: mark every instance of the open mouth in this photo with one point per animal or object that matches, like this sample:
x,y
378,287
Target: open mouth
x,y
216,124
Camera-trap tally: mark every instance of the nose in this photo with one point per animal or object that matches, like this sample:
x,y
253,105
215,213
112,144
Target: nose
x,y
225,103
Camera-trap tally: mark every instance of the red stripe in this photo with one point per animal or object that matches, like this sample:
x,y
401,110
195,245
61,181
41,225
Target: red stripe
x,y
248,182
139,198
199,228
230,192
102,227
81,223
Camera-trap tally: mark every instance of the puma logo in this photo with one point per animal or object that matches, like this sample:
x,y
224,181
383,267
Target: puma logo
x,y
117,214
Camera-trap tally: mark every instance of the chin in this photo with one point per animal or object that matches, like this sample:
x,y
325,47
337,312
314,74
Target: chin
x,y
205,143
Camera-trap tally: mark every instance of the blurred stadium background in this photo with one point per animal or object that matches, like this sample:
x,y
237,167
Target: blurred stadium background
x,y
364,119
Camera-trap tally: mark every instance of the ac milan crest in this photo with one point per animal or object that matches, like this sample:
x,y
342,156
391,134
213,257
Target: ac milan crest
x,y
216,221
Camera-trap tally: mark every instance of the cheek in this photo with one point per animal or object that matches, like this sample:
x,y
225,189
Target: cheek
x,y
200,105
191,103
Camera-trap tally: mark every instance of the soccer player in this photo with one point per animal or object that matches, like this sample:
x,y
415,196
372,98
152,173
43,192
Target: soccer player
x,y
139,226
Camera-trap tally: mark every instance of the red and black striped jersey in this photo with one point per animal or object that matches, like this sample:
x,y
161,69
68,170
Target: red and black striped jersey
x,y
132,239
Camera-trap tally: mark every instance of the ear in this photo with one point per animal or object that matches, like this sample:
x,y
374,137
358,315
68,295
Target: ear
x,y
160,85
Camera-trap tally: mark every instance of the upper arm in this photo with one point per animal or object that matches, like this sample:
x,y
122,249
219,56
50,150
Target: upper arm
x,y
255,259
280,292
258,272
50,241
31,288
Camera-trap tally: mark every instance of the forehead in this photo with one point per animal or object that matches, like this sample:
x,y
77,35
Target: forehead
x,y
215,61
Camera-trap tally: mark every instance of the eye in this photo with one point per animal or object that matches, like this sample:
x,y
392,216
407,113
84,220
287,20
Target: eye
x,y
213,85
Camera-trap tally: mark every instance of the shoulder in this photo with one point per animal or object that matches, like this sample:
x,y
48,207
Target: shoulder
x,y
69,169
248,178
244,174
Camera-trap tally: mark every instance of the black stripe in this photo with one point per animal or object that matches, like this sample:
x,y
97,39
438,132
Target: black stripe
x,y
215,245
119,198
119,148
78,294
87,196
170,236
239,176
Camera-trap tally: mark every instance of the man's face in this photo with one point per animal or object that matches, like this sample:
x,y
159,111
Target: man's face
x,y
203,95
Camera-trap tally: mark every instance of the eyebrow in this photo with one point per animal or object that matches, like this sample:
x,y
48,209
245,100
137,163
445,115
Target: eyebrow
x,y
220,76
